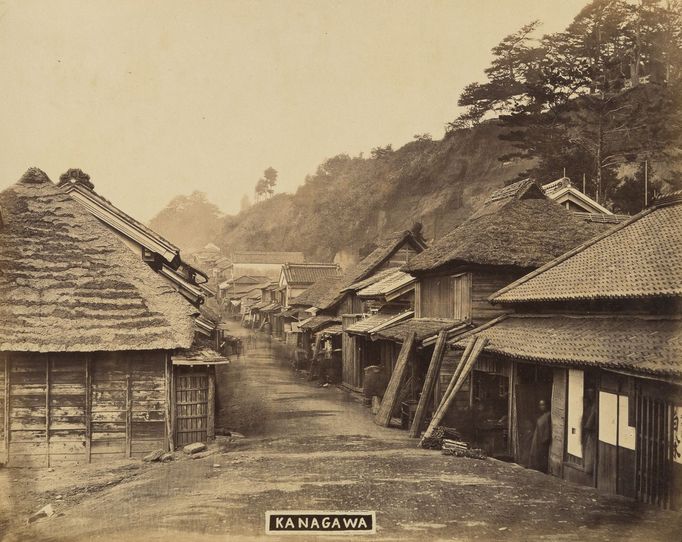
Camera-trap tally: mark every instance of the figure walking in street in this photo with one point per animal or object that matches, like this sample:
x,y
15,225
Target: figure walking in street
x,y
542,437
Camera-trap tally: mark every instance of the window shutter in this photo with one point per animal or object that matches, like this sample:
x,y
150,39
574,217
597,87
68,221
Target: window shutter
x,y
461,286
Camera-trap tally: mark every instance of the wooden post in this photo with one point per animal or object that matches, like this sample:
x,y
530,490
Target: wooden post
x,y
458,370
210,405
477,347
47,408
88,408
383,417
129,411
431,376
170,404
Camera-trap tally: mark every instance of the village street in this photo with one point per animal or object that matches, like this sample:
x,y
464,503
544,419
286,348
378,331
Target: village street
x,y
310,447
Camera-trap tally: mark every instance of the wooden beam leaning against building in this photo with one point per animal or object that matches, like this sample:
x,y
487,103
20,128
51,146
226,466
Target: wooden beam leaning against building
x,y
604,353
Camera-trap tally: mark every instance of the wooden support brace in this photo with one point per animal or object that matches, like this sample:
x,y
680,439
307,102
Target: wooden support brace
x,y
210,404
170,404
463,369
383,417
429,383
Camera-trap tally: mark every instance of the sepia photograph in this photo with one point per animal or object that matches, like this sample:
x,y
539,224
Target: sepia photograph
x,y
317,270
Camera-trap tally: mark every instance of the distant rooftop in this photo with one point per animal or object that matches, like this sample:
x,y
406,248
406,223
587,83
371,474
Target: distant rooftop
x,y
263,257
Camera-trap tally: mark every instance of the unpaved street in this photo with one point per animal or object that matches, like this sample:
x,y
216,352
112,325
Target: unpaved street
x,y
314,448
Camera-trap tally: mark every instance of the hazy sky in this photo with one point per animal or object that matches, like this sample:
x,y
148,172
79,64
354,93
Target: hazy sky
x,y
159,98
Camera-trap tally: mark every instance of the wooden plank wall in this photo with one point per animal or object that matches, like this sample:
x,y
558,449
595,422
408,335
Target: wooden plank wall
x,y
67,412
28,410
109,396
400,257
350,359
148,392
74,407
438,295
484,284
451,359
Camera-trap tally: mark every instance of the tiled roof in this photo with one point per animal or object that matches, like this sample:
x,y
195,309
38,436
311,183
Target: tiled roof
x,y
374,323
319,322
267,257
271,307
639,258
519,227
334,329
327,292
68,283
386,286
305,274
637,344
423,327
372,279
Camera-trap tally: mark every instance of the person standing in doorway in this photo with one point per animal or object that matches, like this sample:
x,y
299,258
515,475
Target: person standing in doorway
x,y
542,438
589,429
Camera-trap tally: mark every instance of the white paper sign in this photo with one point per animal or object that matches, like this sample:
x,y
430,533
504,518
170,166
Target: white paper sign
x,y
627,435
574,444
608,418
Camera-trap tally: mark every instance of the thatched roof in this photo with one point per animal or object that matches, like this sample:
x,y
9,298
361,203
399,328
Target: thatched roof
x,y
306,274
516,226
639,258
67,283
327,292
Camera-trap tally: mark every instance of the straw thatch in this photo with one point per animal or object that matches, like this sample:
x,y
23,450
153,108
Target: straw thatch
x,y
67,283
516,226
640,258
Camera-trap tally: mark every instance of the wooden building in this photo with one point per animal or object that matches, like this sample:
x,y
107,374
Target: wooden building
x,y
261,263
337,295
517,229
596,334
295,278
88,338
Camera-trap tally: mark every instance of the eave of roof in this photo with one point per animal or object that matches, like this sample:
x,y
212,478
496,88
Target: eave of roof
x,y
507,295
646,345
122,222
377,322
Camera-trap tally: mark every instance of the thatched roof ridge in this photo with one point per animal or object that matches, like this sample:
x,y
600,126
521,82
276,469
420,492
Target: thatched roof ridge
x,y
518,227
67,283
639,258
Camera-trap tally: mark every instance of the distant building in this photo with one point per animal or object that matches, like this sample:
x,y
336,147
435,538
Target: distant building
x,y
262,263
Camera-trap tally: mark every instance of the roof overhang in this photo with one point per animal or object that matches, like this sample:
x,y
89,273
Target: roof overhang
x,y
128,228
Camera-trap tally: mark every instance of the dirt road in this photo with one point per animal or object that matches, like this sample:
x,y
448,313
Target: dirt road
x,y
313,448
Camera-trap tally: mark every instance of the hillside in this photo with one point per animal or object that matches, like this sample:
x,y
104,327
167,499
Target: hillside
x,y
349,202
